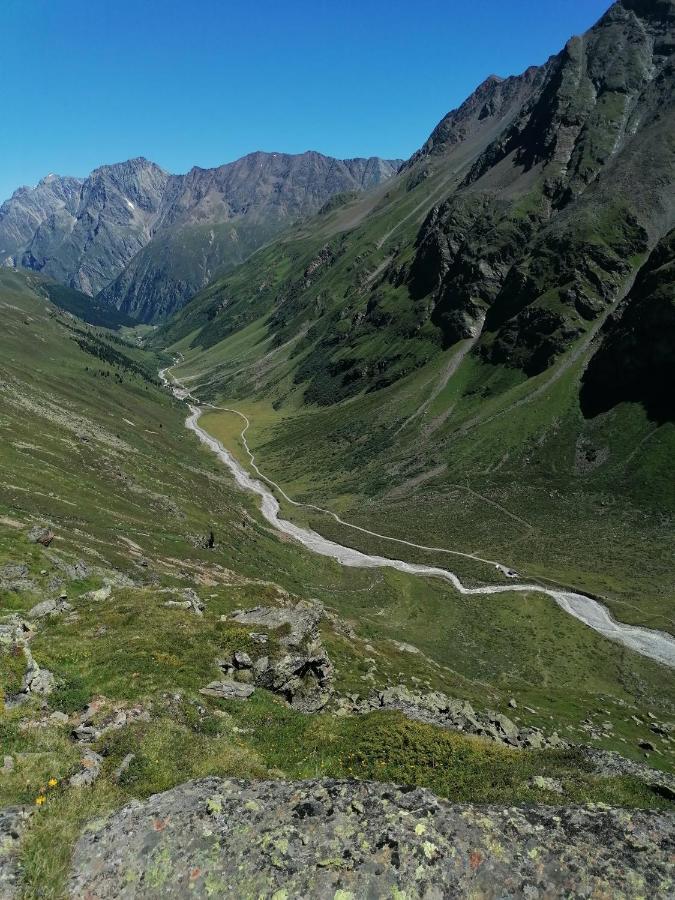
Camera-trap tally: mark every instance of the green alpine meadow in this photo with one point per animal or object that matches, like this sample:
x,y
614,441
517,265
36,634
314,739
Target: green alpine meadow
x,y
337,492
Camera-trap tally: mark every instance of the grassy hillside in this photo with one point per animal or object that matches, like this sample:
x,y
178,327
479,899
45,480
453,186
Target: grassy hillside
x,y
92,449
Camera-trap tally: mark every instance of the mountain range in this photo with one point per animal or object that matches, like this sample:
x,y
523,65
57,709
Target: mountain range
x,y
146,240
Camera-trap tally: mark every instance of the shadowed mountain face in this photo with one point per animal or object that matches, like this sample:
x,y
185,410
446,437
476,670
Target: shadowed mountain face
x,y
85,233
636,360
519,225
549,219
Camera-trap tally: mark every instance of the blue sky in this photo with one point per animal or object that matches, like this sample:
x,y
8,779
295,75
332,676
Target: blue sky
x,y
202,82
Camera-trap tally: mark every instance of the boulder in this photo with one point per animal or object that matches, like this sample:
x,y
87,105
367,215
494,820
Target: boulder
x,y
303,674
101,594
190,601
77,571
328,839
533,739
301,620
14,631
241,660
260,665
90,769
39,534
547,784
88,731
38,681
506,729
302,680
14,577
228,690
49,608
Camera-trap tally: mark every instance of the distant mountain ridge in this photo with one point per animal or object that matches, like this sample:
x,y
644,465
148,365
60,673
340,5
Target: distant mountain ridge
x,y
23,213
84,233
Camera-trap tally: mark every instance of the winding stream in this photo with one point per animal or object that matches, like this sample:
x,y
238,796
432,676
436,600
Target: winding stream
x,y
656,645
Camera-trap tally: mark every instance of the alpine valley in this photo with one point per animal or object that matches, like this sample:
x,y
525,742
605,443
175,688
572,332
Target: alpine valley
x,y
336,508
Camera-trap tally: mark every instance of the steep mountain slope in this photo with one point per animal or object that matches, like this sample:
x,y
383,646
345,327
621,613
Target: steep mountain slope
x,y
28,208
414,359
89,309
165,228
212,219
178,262
115,217
546,191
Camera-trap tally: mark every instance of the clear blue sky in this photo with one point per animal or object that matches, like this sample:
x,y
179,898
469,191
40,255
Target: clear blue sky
x,y
202,82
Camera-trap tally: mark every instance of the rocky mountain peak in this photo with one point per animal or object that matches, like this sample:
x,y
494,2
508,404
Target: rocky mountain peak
x,y
492,103
28,207
84,233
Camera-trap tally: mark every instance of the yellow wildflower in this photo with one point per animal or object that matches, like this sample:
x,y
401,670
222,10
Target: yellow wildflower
x,y
52,782
40,800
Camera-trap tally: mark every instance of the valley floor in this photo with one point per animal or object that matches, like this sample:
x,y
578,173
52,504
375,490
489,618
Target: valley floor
x,y
655,645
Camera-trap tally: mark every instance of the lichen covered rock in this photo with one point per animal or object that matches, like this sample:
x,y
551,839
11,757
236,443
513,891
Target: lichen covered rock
x,y
13,820
327,839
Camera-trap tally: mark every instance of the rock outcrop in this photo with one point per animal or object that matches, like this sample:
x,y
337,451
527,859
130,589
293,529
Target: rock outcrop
x,y
435,708
86,246
89,770
94,721
15,577
300,671
347,840
52,607
23,213
40,534
15,634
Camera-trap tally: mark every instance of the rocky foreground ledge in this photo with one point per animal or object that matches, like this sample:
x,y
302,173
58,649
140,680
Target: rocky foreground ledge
x,y
346,839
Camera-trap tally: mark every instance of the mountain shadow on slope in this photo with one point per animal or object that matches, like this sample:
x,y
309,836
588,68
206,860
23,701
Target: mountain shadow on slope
x,y
636,361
